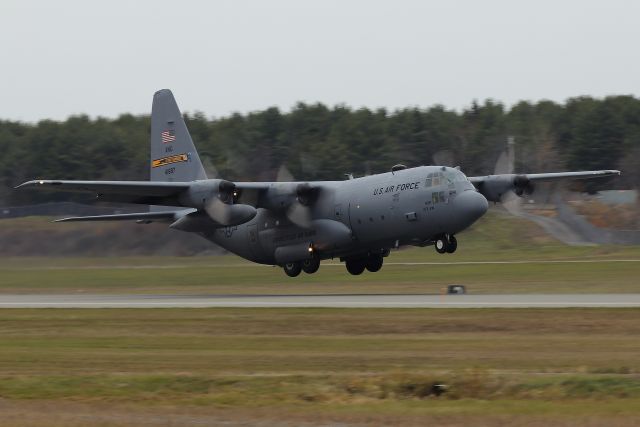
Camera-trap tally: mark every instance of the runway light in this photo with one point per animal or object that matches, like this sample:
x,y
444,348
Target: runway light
x,y
41,182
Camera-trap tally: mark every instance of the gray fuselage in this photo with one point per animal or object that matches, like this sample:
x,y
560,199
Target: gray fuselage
x,y
405,207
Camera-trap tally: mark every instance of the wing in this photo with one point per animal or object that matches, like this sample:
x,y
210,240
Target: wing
x,y
493,187
148,192
139,192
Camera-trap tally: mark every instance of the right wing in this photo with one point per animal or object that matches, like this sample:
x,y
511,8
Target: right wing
x,y
493,187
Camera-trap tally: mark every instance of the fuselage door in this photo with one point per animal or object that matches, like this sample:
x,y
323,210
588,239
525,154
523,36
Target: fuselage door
x,y
252,234
338,215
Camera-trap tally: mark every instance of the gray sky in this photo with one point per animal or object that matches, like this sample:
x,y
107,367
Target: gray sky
x,y
104,58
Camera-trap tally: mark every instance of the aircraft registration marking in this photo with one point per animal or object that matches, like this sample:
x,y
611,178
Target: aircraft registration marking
x,y
169,160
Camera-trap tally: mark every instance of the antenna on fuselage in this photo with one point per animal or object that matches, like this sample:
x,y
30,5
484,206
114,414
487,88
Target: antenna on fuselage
x,y
397,167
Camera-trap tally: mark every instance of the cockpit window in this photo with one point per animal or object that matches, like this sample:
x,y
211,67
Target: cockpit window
x,y
435,179
459,176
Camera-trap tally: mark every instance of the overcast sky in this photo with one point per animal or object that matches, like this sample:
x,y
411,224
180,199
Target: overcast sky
x,y
108,57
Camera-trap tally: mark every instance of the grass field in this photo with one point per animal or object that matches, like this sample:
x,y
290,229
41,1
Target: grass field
x,y
497,237
307,366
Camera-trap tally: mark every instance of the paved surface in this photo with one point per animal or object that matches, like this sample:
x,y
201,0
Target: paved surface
x,y
334,300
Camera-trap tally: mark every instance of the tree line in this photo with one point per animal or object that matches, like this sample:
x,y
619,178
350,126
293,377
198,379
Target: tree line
x,y
317,142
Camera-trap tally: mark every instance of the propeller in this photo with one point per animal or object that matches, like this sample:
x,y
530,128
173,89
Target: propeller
x,y
299,211
284,175
523,185
443,158
223,209
506,165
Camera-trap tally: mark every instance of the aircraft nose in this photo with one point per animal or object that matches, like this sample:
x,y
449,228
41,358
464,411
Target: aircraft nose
x,y
472,205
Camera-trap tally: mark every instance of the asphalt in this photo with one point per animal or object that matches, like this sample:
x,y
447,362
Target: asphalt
x,y
329,301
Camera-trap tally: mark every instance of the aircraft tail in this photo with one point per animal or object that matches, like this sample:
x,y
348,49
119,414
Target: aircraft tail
x,y
173,155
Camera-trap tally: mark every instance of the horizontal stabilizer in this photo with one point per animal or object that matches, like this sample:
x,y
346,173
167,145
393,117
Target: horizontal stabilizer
x,y
140,216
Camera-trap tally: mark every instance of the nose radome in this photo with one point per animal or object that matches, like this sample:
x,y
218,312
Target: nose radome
x,y
472,205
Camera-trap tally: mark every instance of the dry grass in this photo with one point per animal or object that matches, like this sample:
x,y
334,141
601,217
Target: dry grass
x,y
73,414
169,367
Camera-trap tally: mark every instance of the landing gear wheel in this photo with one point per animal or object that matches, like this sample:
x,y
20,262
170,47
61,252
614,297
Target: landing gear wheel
x,y
310,266
292,269
453,245
441,245
355,266
374,263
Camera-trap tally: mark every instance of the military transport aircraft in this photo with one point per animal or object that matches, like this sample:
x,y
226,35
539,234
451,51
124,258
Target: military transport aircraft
x,y
296,224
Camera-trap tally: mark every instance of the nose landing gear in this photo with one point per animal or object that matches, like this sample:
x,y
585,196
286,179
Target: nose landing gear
x,y
446,243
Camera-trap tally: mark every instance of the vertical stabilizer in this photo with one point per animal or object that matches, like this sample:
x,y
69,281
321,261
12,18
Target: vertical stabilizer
x,y
173,155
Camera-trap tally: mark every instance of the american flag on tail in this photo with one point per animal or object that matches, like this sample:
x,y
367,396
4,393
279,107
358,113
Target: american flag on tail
x,y
168,136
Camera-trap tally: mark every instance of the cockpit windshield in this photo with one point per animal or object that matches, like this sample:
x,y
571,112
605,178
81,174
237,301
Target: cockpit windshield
x,y
459,176
449,176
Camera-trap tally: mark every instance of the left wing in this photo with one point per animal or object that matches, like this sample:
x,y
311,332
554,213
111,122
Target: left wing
x,y
493,187
225,202
139,192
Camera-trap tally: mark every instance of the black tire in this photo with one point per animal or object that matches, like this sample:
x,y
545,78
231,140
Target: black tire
x,y
374,263
292,269
453,245
355,266
310,266
441,245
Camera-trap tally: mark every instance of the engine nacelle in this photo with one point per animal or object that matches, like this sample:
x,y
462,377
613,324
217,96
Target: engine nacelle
x,y
216,197
200,193
493,187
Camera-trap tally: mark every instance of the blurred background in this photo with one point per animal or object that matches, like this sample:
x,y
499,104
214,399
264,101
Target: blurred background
x,y
310,91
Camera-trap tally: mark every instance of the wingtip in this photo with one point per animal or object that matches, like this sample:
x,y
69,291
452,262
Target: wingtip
x,y
24,184
37,182
64,219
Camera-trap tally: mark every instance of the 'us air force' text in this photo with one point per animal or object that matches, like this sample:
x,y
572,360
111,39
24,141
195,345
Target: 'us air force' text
x,y
396,188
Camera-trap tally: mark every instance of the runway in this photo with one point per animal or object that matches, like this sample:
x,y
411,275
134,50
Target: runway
x,y
321,301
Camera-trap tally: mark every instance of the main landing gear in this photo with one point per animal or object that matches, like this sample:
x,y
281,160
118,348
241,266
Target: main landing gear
x,y
446,243
309,266
357,265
